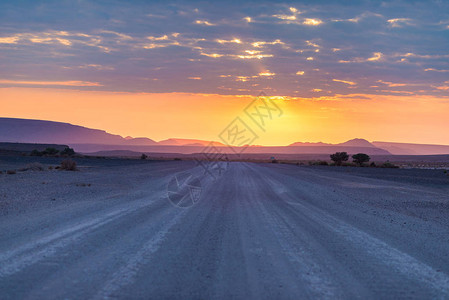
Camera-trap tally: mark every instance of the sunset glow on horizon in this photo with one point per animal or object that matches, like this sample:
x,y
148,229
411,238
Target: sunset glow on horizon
x,y
203,116
378,71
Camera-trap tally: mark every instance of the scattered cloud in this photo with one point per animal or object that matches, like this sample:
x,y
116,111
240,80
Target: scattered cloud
x,y
253,52
391,84
213,55
256,56
49,40
204,22
159,38
92,66
285,17
267,74
309,43
353,20
167,40
259,44
300,73
242,78
9,40
426,56
435,70
312,22
399,22
55,37
50,83
153,46
117,34
344,81
290,17
235,41
359,17
377,56
443,88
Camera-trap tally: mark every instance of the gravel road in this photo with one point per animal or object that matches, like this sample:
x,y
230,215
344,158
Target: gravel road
x,y
257,231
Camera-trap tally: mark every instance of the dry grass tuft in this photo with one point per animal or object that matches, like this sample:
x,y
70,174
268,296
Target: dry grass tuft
x,y
33,167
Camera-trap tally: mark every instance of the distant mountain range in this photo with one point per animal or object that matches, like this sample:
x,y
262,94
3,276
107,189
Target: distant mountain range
x,y
87,140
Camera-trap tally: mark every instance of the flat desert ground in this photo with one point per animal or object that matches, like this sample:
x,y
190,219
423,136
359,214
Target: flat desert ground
x,y
260,231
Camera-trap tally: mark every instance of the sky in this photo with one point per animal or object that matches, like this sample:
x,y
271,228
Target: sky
x,y
370,69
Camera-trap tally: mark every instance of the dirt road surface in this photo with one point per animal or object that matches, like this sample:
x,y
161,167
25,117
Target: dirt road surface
x,y
257,231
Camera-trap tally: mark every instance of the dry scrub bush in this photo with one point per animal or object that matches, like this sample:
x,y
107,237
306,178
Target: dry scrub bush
x,y
68,165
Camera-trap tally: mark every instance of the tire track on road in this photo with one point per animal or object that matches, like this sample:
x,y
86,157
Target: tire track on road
x,y
307,267
126,273
16,260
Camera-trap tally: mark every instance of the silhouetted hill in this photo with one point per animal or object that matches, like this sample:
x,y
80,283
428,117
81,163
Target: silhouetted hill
x,y
357,143
352,146
38,131
412,149
188,142
301,144
351,143
329,149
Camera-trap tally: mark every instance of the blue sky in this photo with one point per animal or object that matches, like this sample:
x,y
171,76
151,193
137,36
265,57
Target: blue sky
x,y
296,48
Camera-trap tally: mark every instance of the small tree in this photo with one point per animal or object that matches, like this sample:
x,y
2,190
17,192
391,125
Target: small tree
x,y
360,158
36,152
51,151
339,158
143,156
68,151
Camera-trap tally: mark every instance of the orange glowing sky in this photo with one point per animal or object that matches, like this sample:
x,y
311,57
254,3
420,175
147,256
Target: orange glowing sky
x,y
202,116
